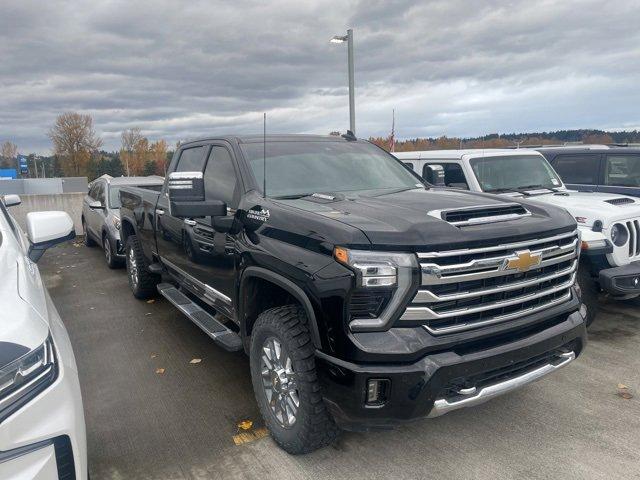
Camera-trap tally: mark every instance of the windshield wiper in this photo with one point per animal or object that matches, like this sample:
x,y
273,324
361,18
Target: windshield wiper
x,y
507,190
293,196
531,187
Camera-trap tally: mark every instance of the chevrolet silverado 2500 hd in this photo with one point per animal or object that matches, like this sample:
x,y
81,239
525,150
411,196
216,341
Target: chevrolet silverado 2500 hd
x,y
363,296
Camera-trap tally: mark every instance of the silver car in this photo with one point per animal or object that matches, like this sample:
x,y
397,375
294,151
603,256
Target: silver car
x,y
101,213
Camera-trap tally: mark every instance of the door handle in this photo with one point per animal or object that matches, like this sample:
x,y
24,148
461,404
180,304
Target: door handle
x,y
159,211
188,221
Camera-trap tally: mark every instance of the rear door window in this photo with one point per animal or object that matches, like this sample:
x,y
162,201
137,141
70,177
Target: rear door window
x,y
622,170
580,169
191,160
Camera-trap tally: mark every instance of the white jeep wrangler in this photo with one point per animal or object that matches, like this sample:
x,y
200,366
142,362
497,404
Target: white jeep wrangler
x,y
609,223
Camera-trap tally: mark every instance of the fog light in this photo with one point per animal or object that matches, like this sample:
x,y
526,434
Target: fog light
x,y
377,390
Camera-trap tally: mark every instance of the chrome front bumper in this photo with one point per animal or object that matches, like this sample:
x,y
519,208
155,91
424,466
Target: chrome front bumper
x,y
473,396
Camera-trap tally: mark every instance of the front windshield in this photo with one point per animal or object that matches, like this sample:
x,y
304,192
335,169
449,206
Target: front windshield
x,y
299,168
518,172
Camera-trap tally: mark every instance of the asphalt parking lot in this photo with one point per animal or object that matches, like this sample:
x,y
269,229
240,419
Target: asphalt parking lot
x,y
151,414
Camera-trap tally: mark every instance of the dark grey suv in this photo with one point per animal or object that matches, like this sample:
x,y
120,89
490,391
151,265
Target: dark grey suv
x,y
101,213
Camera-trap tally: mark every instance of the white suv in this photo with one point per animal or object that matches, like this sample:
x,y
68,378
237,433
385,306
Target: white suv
x,y
609,223
42,429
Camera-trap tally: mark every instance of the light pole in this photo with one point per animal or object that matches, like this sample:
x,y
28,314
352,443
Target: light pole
x,y
352,98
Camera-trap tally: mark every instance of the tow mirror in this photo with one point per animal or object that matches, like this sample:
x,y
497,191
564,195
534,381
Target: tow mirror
x,y
46,229
96,205
186,197
11,200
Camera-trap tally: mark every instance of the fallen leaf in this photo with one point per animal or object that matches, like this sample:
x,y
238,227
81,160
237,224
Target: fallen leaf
x,y
148,313
151,301
195,360
154,355
246,437
245,424
159,371
622,386
625,395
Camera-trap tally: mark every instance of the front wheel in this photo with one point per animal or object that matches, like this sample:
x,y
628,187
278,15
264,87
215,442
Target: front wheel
x,y
141,281
109,254
285,381
589,290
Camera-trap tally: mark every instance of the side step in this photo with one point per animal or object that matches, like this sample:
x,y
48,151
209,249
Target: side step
x,y
227,339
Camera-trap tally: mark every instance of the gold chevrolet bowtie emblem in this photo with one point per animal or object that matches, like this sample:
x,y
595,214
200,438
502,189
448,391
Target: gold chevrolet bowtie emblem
x,y
522,261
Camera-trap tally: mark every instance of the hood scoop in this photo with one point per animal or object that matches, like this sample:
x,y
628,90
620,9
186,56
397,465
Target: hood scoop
x,y
481,214
620,201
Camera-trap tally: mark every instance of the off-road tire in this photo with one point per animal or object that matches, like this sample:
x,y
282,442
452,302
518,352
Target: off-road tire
x,y
314,427
590,292
111,259
88,241
145,286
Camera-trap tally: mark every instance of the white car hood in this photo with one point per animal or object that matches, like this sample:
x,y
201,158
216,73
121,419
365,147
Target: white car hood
x,y
23,312
592,206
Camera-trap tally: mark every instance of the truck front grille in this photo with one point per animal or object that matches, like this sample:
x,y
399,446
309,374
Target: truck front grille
x,y
472,288
633,226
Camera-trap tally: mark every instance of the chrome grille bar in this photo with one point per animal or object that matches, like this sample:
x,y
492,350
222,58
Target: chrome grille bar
x,y
426,296
496,248
431,277
498,318
425,313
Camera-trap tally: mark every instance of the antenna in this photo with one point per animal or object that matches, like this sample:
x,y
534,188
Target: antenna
x,y
264,154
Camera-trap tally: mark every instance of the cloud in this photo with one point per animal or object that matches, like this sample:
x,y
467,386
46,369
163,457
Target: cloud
x,y
179,70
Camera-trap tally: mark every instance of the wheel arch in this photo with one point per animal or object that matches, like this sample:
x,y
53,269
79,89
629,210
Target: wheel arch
x,y
126,229
247,316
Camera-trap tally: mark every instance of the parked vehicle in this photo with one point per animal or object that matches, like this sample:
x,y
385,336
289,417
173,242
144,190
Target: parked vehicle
x,y
363,297
42,430
597,168
609,223
101,213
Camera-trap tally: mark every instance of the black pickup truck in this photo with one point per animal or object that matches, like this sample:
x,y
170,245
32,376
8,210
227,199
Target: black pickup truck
x,y
364,296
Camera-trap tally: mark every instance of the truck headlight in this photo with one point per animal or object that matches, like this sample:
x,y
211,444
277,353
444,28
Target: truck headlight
x,y
619,234
26,377
377,271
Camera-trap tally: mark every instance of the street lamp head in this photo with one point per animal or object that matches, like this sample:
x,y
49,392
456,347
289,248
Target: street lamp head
x,y
338,39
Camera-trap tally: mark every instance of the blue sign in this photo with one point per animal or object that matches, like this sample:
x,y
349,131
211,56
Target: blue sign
x,y
22,161
8,173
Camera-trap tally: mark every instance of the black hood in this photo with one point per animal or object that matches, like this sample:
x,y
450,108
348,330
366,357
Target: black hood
x,y
401,219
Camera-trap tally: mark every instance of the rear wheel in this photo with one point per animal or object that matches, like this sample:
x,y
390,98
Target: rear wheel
x,y
141,281
285,381
590,291
88,241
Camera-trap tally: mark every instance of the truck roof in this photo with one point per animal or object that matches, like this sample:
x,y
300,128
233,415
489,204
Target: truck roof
x,y
460,154
258,138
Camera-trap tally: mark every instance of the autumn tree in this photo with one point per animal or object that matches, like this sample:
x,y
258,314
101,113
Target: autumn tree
x,y
74,141
129,139
8,154
158,155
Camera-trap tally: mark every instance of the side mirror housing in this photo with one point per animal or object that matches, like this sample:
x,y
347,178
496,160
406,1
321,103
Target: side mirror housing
x,y
96,205
186,197
11,200
46,229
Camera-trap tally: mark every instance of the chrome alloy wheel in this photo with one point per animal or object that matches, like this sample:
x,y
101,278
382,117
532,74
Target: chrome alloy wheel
x,y
279,382
133,268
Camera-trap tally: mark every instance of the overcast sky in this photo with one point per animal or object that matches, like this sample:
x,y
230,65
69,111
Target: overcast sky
x,y
184,69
